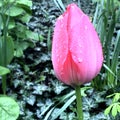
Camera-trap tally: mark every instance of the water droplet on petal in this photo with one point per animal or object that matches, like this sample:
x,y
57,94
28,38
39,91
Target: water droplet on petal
x,y
79,60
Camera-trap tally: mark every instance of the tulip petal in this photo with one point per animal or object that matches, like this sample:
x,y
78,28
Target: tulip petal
x,y
86,49
75,15
76,49
60,44
69,73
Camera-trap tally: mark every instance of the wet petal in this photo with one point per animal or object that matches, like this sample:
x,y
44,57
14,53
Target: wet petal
x,y
59,44
86,49
76,50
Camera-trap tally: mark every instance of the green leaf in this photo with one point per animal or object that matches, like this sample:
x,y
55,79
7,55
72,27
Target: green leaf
x,y
64,107
20,47
107,68
14,11
114,110
9,109
4,71
11,24
25,2
112,95
26,18
9,1
67,96
83,90
25,5
60,5
18,52
118,108
32,35
116,97
9,47
0,3
116,53
46,109
49,113
107,110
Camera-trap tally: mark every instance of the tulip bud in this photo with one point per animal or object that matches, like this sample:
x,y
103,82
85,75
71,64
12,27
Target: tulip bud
x,y
77,54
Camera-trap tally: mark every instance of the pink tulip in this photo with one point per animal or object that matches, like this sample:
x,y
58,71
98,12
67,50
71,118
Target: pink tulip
x,y
76,49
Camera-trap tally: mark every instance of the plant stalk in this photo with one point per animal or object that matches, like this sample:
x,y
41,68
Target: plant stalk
x,y
4,84
79,103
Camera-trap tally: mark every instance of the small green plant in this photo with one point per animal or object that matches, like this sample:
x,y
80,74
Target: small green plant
x,y
114,108
6,44
16,14
15,37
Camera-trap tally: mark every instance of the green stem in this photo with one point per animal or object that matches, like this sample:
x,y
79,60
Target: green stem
x,y
4,84
79,103
4,63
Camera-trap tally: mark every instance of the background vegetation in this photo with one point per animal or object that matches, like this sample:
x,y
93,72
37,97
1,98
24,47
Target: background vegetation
x,y
27,78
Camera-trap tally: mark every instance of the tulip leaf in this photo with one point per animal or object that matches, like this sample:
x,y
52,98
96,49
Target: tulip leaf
x,y
107,68
45,110
68,95
60,5
64,107
116,53
49,113
9,109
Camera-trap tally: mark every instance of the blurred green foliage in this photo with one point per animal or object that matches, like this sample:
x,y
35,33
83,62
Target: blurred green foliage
x,y
106,21
15,15
15,37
